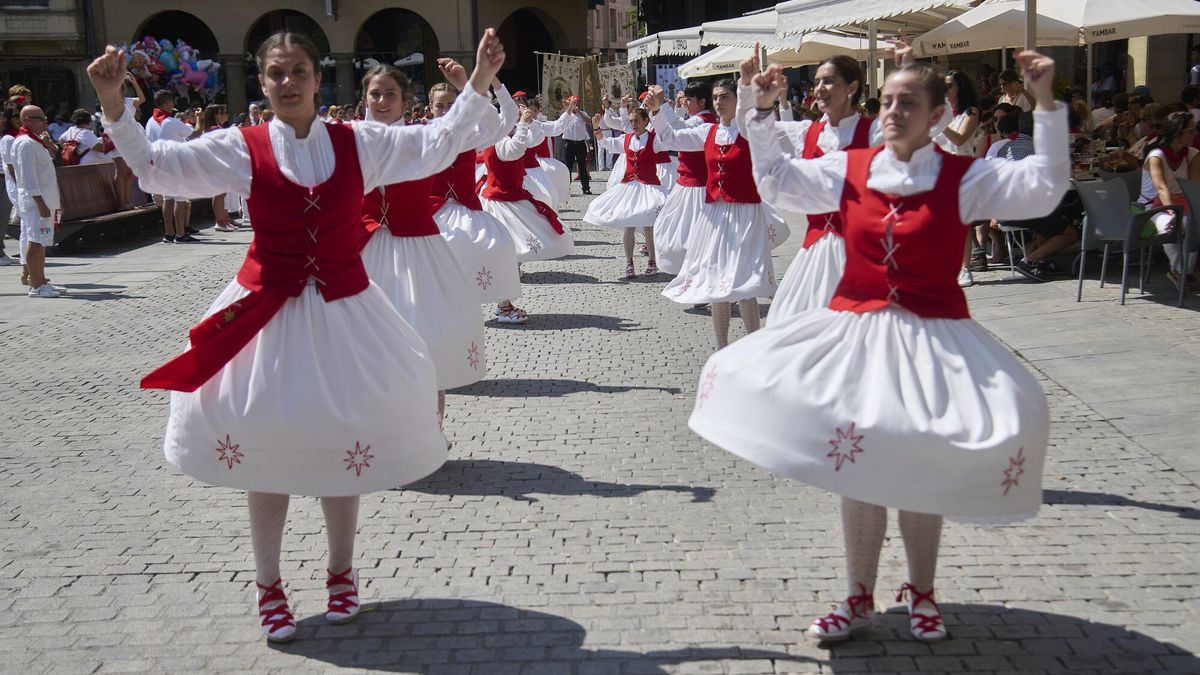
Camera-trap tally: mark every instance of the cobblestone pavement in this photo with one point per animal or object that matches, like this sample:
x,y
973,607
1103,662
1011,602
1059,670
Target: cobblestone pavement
x,y
580,527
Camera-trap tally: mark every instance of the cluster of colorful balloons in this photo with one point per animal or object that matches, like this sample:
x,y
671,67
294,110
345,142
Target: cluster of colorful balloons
x,y
162,64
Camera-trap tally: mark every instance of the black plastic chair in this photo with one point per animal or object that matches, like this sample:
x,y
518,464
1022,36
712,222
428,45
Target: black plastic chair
x,y
1109,221
1189,233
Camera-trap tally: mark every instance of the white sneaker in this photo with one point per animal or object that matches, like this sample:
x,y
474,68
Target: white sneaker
x,y
5,261
965,278
44,291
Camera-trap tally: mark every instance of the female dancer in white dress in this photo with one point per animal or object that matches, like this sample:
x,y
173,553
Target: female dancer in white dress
x,y
636,200
536,231
405,254
302,379
959,139
892,396
553,173
480,242
674,223
817,268
728,258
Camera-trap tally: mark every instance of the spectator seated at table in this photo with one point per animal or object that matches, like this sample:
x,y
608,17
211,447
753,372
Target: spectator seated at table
x,y
1169,158
1052,233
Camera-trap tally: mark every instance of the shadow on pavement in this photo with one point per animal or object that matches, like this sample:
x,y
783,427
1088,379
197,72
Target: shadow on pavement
x,y
558,278
518,480
473,636
441,635
579,242
546,387
1028,640
1106,499
572,321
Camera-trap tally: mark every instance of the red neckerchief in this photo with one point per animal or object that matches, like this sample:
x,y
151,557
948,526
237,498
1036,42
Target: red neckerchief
x,y
1013,135
159,115
41,141
1174,159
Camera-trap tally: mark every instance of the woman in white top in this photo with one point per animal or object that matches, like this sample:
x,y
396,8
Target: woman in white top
x,y
313,384
1013,91
728,257
1170,158
959,139
89,146
892,397
638,195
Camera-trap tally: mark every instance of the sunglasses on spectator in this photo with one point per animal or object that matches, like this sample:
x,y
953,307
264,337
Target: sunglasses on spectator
x,y
33,117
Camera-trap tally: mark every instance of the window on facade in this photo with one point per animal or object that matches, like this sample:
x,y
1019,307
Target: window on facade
x,y
612,25
24,4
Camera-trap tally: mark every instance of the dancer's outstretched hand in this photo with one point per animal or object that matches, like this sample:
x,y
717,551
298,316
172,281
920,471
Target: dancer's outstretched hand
x,y
454,73
489,58
655,99
768,86
749,68
1038,72
107,74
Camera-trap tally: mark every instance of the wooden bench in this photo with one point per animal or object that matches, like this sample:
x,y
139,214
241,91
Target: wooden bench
x,y
90,207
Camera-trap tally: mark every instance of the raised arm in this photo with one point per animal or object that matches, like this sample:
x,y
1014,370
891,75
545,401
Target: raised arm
x,y
513,147
508,116
1034,186
395,154
801,185
666,136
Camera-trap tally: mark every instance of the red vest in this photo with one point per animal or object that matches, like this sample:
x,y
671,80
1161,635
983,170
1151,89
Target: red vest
x,y
505,183
820,223
692,171
530,159
543,149
299,234
403,208
730,175
902,250
456,182
641,165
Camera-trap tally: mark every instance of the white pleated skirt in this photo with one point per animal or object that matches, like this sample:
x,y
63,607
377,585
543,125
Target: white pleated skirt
x,y
728,256
533,236
560,178
926,415
435,295
617,173
484,248
811,279
668,172
330,399
537,182
674,225
632,204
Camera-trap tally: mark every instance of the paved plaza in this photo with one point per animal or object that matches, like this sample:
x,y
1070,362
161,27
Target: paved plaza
x,y
580,527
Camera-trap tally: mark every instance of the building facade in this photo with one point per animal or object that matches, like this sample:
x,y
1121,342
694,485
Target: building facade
x,y
611,24
354,34
43,44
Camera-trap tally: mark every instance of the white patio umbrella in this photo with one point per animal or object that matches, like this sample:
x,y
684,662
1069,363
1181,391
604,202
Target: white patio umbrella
x,y
998,25
815,48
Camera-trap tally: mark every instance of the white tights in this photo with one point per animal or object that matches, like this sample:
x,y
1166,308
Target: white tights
x,y
268,514
864,526
721,312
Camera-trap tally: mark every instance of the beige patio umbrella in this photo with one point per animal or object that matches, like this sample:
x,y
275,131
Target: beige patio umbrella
x,y
815,48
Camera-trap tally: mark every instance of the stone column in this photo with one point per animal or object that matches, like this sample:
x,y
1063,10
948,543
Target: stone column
x,y
235,82
344,74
